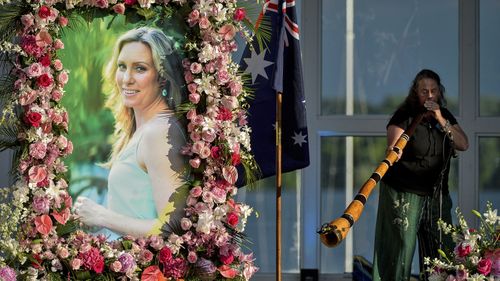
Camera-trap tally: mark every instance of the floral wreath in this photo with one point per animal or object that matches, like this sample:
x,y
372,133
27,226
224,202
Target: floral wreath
x,y
42,240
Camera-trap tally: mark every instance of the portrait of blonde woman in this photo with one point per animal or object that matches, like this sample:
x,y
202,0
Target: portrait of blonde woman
x,y
146,166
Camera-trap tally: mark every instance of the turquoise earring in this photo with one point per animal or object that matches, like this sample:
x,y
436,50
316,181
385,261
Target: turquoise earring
x,y
164,92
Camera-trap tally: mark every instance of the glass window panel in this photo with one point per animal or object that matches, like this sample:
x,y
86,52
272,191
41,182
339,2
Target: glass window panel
x,y
366,154
261,230
391,41
489,171
489,56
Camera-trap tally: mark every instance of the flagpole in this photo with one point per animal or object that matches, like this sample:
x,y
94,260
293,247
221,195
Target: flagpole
x,y
278,184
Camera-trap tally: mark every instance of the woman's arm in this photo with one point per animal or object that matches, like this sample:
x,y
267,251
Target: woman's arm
x,y
393,134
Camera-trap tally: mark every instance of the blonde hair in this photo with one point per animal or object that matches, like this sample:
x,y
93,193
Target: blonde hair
x,y
168,64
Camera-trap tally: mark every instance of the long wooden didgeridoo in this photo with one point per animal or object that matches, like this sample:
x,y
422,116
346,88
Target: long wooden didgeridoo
x,y
334,232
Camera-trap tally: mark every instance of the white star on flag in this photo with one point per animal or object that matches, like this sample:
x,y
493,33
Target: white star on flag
x,y
299,139
256,65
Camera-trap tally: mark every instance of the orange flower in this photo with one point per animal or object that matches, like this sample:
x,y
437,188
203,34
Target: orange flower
x,y
227,271
152,273
43,224
61,217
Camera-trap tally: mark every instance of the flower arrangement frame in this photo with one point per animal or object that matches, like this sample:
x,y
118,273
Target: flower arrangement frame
x,y
44,241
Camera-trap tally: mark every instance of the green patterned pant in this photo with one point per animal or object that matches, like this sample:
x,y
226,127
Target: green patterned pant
x,y
401,218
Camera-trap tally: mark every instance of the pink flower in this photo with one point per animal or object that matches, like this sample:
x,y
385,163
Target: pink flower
x,y
232,219
38,150
8,274
196,191
230,174
192,257
128,262
196,68
119,8
223,77
227,271
63,21
27,20
58,44
227,32
34,70
224,114
194,98
146,256
484,266
76,263
45,60
152,273
92,260
239,14
56,95
58,65
37,173
41,204
165,255
235,159
61,217
63,77
186,224
130,2
115,266
215,152
43,38
192,88
63,253
43,224
235,88
204,23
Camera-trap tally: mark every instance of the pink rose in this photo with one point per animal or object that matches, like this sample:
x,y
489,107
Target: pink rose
x,y
63,253
195,163
194,98
204,23
196,191
230,102
63,21
27,20
186,224
188,76
205,152
58,65
34,70
58,44
115,266
235,88
76,263
193,88
484,266
119,8
56,95
63,77
146,256
239,14
38,150
196,68
41,204
192,257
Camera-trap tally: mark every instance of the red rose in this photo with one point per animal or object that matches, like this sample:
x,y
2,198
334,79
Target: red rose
x,y
462,250
215,152
44,12
165,255
484,266
44,80
232,219
33,118
239,14
130,2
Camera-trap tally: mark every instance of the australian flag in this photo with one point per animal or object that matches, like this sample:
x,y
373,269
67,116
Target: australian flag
x,y
278,68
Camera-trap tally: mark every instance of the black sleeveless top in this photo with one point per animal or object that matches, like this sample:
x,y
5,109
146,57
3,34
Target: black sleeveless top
x,y
418,171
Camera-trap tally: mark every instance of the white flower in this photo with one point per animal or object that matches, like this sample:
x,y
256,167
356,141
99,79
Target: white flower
x,y
205,222
491,216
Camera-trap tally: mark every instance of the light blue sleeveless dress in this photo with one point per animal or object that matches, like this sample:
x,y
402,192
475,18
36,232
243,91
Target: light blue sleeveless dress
x,y
130,191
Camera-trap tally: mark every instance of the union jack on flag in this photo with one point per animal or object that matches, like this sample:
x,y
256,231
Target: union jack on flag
x,y
278,68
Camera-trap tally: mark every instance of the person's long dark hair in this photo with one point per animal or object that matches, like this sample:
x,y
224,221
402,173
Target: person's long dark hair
x,y
411,102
